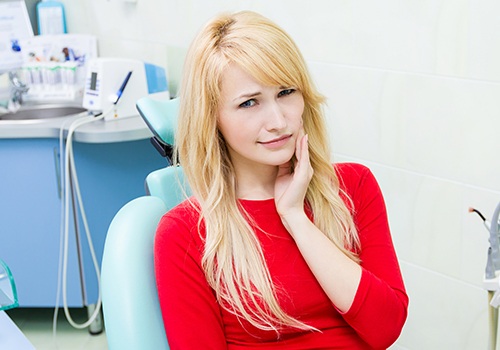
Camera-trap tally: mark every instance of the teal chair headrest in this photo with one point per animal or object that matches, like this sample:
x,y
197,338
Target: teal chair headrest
x,y
160,116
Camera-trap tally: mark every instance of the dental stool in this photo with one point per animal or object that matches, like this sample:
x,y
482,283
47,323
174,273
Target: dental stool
x,y
131,308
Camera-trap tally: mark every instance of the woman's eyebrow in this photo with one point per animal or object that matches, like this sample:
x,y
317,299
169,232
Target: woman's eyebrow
x,y
247,95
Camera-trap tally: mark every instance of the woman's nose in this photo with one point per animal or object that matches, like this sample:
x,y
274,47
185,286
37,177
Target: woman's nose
x,y
275,117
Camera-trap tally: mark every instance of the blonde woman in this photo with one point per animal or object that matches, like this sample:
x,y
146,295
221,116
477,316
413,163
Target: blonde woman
x,y
277,248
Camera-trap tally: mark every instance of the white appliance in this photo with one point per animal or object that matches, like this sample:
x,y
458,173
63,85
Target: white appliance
x,y
113,85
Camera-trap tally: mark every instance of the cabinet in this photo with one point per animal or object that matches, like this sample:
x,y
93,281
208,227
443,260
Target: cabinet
x,y
110,175
30,212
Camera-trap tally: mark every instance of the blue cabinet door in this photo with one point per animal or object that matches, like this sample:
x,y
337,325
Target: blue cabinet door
x,y
110,175
30,217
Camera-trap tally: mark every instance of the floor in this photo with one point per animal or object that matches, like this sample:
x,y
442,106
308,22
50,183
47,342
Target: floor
x,y
36,324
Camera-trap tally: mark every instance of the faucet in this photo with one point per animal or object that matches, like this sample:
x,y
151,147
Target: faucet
x,y
18,88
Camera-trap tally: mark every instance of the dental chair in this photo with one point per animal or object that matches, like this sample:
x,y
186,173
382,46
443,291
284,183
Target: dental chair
x,y
131,308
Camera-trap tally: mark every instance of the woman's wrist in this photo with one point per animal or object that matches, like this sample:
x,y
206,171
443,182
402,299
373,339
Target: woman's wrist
x,y
295,221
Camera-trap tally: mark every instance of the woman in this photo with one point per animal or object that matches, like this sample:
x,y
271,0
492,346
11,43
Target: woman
x,y
277,248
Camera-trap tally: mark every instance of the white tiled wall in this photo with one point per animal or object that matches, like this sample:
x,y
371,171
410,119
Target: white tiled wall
x,y
413,92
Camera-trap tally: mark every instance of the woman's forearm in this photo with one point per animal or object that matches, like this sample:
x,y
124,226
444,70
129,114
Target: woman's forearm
x,y
337,274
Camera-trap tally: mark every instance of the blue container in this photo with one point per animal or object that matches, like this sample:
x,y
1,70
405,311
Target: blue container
x,y
51,18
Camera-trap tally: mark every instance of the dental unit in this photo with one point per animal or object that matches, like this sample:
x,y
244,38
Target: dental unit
x,y
111,79
491,281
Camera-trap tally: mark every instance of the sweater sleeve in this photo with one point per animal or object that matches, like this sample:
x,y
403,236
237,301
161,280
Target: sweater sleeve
x,y
190,312
379,309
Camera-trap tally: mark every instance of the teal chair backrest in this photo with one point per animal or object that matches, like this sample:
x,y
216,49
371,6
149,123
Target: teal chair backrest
x,y
132,314
169,185
130,304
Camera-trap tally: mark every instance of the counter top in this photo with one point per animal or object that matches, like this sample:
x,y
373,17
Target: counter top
x,y
100,131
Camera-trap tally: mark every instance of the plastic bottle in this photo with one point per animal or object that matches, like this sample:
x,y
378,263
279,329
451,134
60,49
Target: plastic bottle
x,y
51,18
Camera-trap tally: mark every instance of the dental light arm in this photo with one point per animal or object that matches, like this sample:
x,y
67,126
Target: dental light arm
x,y
491,281
493,262
495,258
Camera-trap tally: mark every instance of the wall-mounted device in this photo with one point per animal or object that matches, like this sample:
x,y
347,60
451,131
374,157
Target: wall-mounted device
x,y
115,84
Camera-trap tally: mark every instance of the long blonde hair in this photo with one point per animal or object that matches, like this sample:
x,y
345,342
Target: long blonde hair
x,y
233,261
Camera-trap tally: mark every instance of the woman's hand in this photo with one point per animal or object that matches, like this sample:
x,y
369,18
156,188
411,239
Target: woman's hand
x,y
292,180
337,274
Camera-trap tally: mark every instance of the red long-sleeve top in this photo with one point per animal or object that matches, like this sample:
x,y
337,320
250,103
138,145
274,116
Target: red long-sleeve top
x,y
194,320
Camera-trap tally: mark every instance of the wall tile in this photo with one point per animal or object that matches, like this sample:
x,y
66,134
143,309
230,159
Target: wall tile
x,y
353,98
427,219
433,125
407,28
451,32
147,52
445,127
483,50
322,29
444,313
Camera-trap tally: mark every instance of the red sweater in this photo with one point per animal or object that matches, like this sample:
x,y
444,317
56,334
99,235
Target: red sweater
x,y
194,320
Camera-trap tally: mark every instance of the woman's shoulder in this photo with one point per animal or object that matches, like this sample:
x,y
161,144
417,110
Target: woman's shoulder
x,y
177,236
351,172
355,178
187,209
183,217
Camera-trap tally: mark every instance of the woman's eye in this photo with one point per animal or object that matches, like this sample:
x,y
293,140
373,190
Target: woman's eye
x,y
248,103
286,92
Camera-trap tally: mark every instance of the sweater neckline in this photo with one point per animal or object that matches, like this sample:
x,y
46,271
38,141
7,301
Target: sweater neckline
x,y
243,200
258,204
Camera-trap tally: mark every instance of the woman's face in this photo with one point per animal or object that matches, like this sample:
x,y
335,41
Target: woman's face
x,y
259,123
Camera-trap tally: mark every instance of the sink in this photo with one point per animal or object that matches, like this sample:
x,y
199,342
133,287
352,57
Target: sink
x,y
42,112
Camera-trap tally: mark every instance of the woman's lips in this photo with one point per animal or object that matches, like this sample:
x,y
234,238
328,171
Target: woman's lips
x,y
277,142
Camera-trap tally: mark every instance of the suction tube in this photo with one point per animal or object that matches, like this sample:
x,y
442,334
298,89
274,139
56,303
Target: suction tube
x,y
494,243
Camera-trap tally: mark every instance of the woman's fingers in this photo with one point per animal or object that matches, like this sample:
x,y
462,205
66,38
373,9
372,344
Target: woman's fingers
x,y
302,155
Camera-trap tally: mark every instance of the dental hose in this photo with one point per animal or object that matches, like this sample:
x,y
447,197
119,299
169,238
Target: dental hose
x,y
61,230
66,165
69,162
